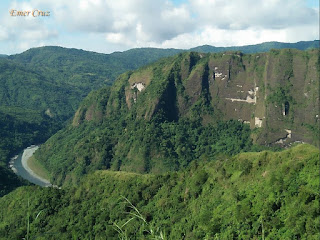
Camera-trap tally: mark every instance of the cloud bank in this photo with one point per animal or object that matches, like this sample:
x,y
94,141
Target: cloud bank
x,y
118,25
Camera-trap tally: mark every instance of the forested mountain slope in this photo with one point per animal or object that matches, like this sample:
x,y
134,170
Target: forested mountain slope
x,y
181,121
23,87
42,88
262,195
52,81
57,78
189,106
84,69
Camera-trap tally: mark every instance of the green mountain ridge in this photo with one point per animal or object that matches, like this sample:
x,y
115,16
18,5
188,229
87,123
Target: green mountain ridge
x,y
23,87
51,81
262,47
84,69
189,106
72,73
262,195
56,79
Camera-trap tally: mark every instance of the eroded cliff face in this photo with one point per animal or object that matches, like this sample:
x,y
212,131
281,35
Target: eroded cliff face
x,y
277,93
163,116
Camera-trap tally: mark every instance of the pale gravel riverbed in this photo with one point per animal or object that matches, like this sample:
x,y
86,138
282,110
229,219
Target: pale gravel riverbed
x,y
20,166
27,154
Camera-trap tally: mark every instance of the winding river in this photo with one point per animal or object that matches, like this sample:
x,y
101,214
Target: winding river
x,y
19,164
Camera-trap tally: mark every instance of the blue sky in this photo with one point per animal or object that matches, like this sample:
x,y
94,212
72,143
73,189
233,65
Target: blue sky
x,y
107,26
312,3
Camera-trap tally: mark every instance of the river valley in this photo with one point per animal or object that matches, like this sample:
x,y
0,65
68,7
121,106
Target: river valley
x,y
19,164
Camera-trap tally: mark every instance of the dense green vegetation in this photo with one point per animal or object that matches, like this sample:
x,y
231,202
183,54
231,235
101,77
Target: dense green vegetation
x,y
41,88
179,127
139,146
181,114
20,127
9,180
262,195
57,78
86,70
32,109
23,87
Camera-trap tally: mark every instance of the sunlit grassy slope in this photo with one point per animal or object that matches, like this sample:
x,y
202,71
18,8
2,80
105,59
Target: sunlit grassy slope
x,y
266,195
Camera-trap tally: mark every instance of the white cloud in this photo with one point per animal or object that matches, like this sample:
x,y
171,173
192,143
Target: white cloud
x,y
139,20
224,37
271,14
124,24
23,32
141,35
118,38
38,34
3,34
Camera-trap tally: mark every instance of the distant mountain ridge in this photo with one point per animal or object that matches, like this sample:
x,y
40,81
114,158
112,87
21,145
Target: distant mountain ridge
x,y
252,48
80,72
262,47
